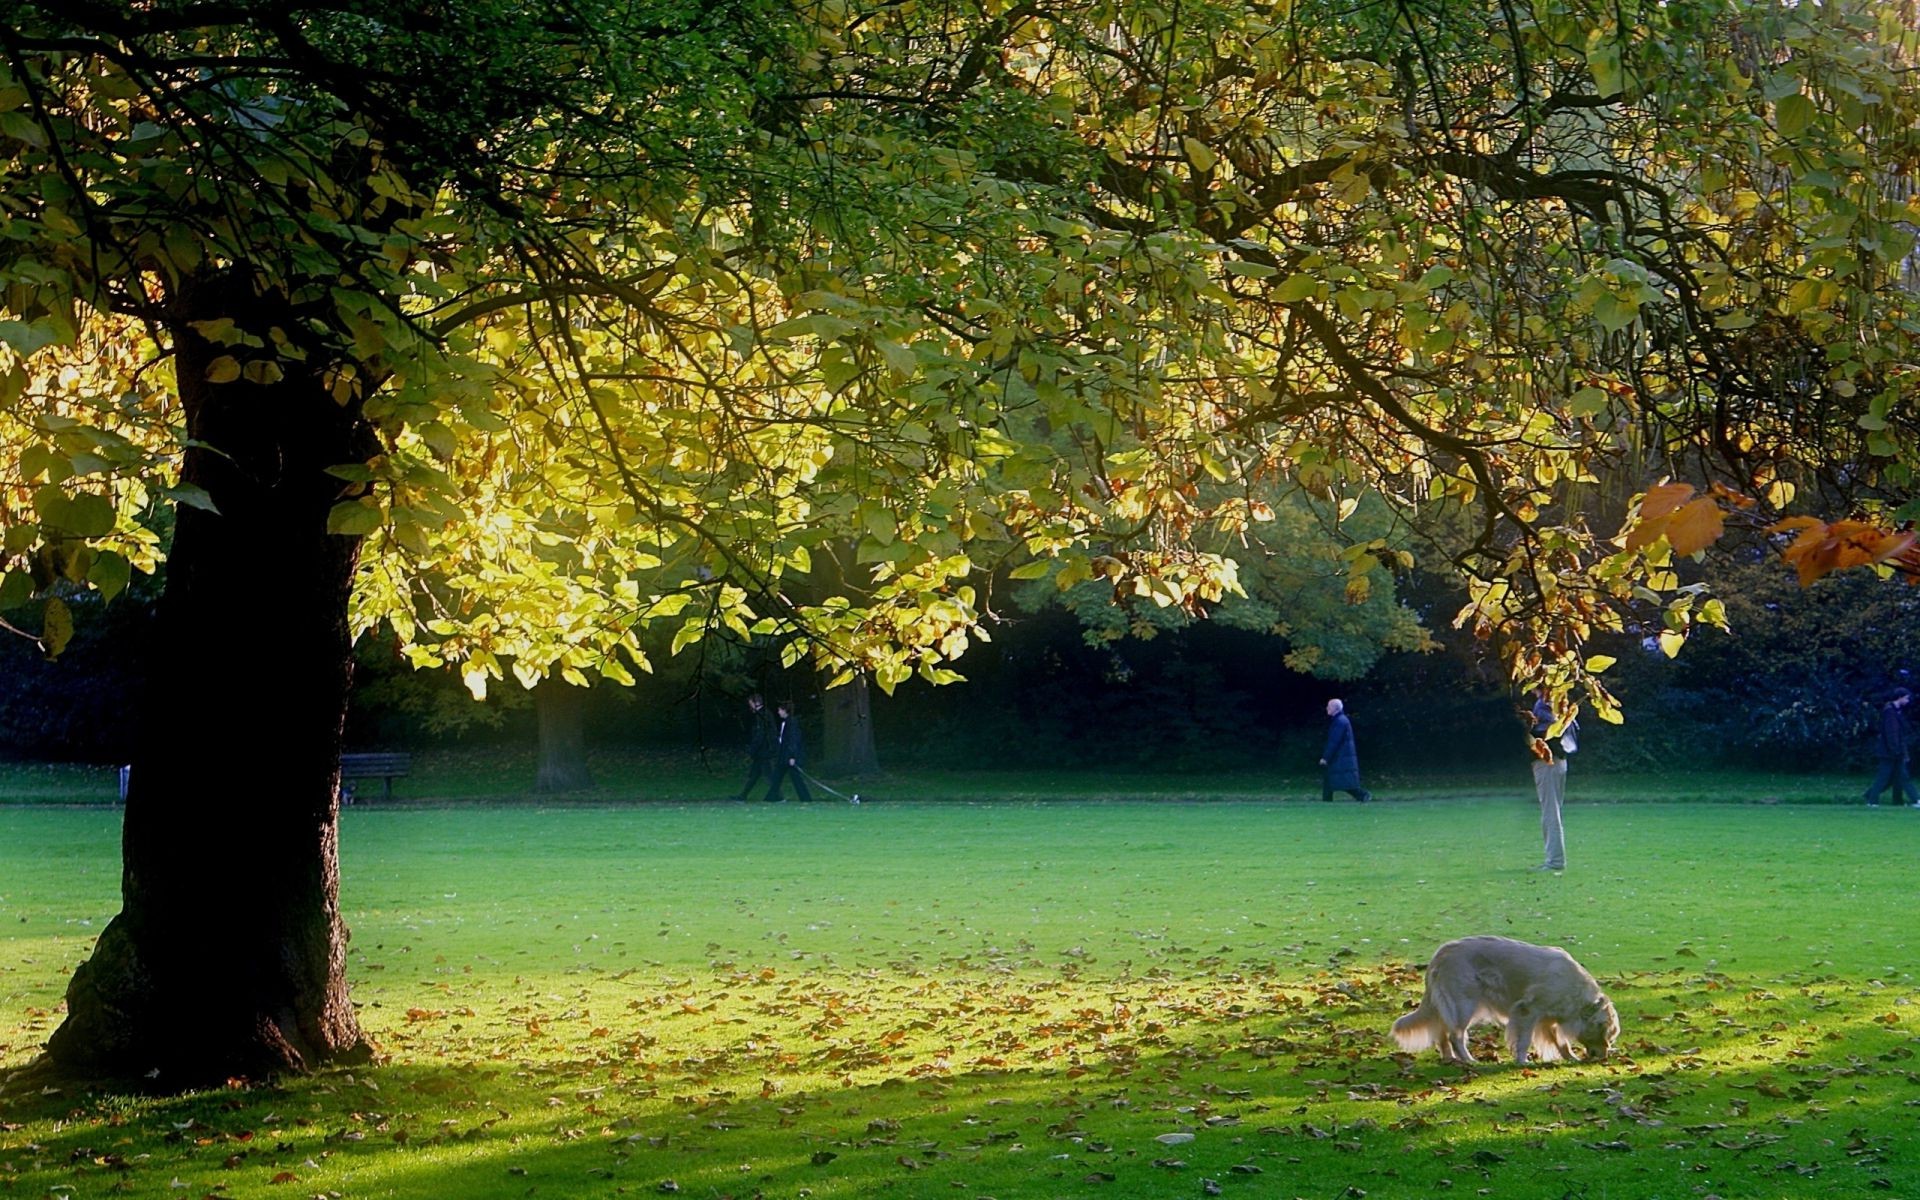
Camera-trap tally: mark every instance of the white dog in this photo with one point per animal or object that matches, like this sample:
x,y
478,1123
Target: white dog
x,y
1546,1000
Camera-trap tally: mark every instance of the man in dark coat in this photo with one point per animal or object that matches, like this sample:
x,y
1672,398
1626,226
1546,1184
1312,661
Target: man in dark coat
x,y
759,744
789,753
1890,748
1341,762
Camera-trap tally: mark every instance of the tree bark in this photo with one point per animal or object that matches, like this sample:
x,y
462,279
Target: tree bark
x,y
228,955
560,710
848,741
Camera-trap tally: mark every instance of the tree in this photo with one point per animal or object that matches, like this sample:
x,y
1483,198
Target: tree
x,y
283,200
558,708
847,745
1314,574
692,291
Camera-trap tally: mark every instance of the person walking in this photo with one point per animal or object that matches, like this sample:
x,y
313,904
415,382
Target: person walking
x,y
1890,748
759,744
789,753
1340,760
1550,779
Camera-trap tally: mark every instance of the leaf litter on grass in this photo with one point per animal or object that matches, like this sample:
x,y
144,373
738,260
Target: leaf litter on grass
x,y
756,1082
911,1049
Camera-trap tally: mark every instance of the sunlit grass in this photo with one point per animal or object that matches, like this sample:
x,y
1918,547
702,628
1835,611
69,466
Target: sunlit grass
x,y
1018,999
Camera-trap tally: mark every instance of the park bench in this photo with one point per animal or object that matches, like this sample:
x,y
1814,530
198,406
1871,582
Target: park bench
x,y
382,766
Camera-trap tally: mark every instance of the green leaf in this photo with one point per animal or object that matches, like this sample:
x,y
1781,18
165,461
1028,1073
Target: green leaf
x,y
56,627
1793,114
1599,663
1613,313
355,518
1033,570
1297,287
900,358
192,495
26,337
89,515
1603,62
262,371
110,573
224,369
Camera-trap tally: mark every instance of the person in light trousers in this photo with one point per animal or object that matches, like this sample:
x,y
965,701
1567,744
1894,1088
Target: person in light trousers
x,y
1550,780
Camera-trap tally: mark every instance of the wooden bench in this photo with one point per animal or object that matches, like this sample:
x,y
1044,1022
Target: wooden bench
x,y
385,767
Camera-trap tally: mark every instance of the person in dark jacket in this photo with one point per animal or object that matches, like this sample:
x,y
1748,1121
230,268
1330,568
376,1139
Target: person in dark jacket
x,y
1339,758
789,754
759,744
1890,748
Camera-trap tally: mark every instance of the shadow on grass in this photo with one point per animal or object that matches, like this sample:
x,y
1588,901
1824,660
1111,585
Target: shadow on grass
x,y
1723,1087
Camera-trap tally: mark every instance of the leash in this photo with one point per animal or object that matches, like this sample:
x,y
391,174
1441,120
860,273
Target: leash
x,y
827,787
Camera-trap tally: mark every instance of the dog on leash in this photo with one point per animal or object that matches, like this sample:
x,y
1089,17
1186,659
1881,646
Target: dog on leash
x,y
1547,1001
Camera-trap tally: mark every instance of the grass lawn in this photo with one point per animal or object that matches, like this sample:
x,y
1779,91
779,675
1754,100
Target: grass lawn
x,y
1013,999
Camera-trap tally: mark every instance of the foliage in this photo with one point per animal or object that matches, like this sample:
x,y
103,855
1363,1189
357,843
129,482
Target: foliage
x,y
1001,984
1296,580
1796,684
643,303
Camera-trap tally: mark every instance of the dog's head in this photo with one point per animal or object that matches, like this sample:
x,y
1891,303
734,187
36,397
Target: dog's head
x,y
1599,1028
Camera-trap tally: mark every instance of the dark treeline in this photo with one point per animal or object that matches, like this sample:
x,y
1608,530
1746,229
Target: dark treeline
x,y
1792,688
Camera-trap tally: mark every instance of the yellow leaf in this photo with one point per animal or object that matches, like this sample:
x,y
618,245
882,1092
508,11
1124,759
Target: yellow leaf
x,y
224,369
1199,154
1670,642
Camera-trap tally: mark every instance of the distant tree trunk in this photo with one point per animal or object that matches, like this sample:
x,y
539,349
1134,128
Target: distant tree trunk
x,y
228,955
560,710
848,745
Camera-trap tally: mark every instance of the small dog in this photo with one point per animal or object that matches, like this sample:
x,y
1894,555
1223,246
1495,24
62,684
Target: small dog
x,y
1546,1000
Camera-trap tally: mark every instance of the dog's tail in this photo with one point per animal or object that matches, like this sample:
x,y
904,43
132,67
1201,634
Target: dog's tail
x,y
1417,1030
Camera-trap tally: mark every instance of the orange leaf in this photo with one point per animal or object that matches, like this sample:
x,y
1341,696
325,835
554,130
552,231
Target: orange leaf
x,y
1647,532
1817,560
1727,495
1892,545
1663,499
1696,527
284,1177
1786,523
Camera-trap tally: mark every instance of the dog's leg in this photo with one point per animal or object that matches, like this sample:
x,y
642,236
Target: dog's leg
x,y
1563,1043
1520,1023
1456,1037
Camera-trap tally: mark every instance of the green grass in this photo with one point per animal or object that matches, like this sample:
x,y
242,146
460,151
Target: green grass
x,y
1014,999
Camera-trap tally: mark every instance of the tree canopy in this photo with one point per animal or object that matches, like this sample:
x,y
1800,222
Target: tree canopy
x,y
644,306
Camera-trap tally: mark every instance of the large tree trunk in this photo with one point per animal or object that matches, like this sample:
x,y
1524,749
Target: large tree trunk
x,y
848,741
228,956
560,709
